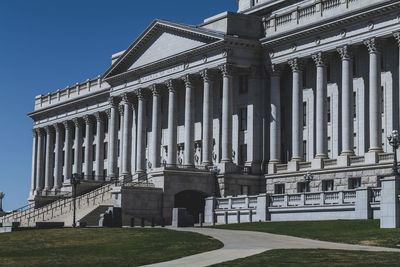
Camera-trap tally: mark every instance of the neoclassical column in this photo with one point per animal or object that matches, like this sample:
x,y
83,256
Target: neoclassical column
x,y
189,122
68,151
321,106
40,160
134,137
120,137
89,123
34,159
99,167
112,138
375,117
347,101
396,35
275,115
49,158
156,128
297,118
208,79
58,150
140,157
126,135
77,168
172,123
226,139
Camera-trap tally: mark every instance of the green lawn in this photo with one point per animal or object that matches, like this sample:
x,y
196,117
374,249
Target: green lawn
x,y
362,232
99,247
317,257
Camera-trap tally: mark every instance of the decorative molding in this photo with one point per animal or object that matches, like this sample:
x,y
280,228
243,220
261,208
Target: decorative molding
x,y
77,122
49,129
40,131
345,52
113,101
396,36
58,127
88,120
67,125
319,59
155,89
126,98
226,69
108,113
373,45
121,110
188,80
207,75
275,69
171,85
99,116
140,94
296,64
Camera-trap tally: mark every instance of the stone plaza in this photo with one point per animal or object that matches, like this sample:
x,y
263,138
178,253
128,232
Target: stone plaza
x,y
279,111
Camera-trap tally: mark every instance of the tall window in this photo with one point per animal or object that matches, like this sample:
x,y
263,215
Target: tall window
x,y
243,119
354,105
382,100
328,73
94,152
106,126
329,109
243,84
303,187
83,154
329,147
242,154
73,156
280,189
327,185
355,141
354,183
119,147
105,150
304,149
304,114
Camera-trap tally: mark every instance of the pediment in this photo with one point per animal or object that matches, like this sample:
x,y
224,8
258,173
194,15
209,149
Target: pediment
x,y
162,40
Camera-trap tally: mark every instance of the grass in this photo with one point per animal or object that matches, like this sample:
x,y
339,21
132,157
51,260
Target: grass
x,y
361,232
317,257
99,247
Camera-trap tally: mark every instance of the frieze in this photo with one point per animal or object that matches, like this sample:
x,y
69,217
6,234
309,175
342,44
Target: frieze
x,y
163,73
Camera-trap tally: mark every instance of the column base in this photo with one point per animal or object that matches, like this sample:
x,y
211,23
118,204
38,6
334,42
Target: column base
x,y
371,157
347,153
321,156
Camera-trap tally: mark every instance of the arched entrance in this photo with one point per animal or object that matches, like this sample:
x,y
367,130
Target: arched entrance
x,y
193,201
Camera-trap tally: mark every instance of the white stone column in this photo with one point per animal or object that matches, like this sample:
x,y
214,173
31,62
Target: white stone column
x,y
297,110
375,116
156,128
68,152
140,157
58,158
34,159
88,148
49,158
207,117
77,168
172,124
120,137
321,107
126,136
226,139
189,122
40,160
396,35
99,167
112,138
347,101
134,138
275,118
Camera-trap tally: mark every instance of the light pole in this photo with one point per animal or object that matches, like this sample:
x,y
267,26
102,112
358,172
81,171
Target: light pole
x,y
308,177
76,179
2,195
394,141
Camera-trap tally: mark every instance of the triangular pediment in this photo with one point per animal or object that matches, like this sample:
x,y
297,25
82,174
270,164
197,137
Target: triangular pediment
x,y
161,41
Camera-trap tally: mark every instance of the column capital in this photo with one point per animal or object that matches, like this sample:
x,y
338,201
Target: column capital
x,y
155,89
373,45
39,131
319,59
57,127
396,36
121,109
67,125
113,101
77,122
34,132
188,80
207,75
88,120
99,116
345,52
171,85
274,69
296,64
108,113
49,129
126,99
140,94
226,69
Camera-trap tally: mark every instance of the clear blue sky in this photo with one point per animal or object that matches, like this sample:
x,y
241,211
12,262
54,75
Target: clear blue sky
x,y
47,45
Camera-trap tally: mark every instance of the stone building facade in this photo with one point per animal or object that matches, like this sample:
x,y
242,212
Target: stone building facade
x,y
244,103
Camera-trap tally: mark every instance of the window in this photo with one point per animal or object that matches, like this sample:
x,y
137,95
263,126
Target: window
x,y
83,154
355,141
328,73
119,148
354,183
106,126
304,114
243,119
329,146
382,100
329,109
383,137
94,130
105,150
243,84
94,152
303,187
304,149
105,173
354,105
243,154
279,189
73,156
244,189
63,158
327,185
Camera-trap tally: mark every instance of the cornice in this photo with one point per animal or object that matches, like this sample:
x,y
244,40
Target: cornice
x,y
324,25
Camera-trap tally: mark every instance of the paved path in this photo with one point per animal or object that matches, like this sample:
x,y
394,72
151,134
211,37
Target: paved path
x,y
240,244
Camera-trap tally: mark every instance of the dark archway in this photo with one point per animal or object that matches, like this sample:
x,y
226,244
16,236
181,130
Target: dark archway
x,y
193,201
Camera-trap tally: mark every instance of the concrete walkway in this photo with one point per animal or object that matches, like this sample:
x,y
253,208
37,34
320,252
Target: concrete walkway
x,y
240,244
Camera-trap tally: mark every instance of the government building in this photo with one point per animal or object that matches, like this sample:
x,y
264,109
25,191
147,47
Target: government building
x,y
280,111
